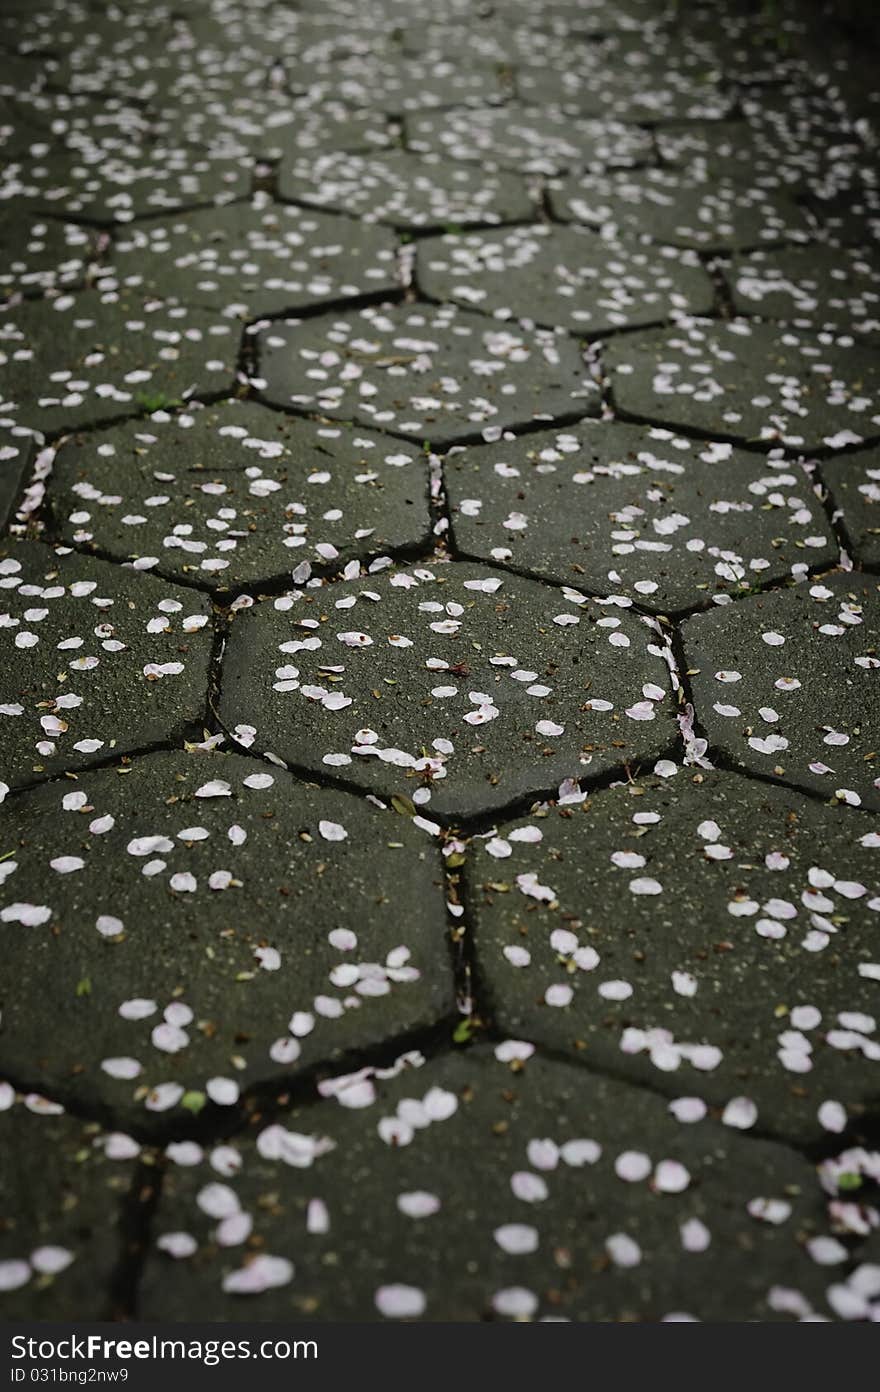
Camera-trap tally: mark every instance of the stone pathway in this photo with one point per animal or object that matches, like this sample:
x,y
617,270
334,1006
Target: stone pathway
x,y
439,473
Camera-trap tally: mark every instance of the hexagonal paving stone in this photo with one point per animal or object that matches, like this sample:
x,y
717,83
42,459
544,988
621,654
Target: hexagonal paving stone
x,y
749,381
42,254
482,688
537,140
23,24
756,152
20,131
564,276
235,494
404,189
160,67
487,40
267,28
16,456
73,123
804,111
754,47
854,481
432,373
398,85
280,36
272,124
62,1192
201,924
786,684
680,208
825,287
257,259
708,936
22,73
80,40
90,357
587,16
622,80
99,661
112,185
384,15
506,42
636,510
850,217
483,1191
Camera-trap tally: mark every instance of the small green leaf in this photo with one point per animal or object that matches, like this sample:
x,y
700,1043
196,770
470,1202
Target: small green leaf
x,y
464,1031
84,986
193,1101
849,1181
156,401
403,805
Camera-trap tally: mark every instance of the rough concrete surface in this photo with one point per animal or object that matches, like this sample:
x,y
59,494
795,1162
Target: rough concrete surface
x,y
439,477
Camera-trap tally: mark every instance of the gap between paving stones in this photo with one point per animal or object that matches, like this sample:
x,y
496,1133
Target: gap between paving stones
x,y
452,553
432,1039
221,617
139,1209
404,554
757,444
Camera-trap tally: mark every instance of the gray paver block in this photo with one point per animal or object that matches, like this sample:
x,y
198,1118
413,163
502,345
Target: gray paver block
x,y
431,373
20,132
62,1190
482,687
706,935
849,217
484,1192
755,48
792,111
100,660
270,124
73,122
236,494
563,276
758,153
17,450
250,260
620,79
404,189
22,73
397,85
638,511
854,481
542,140
574,17
220,926
84,39
825,287
44,254
682,209
159,67
549,37
795,676
101,183
750,381
89,357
